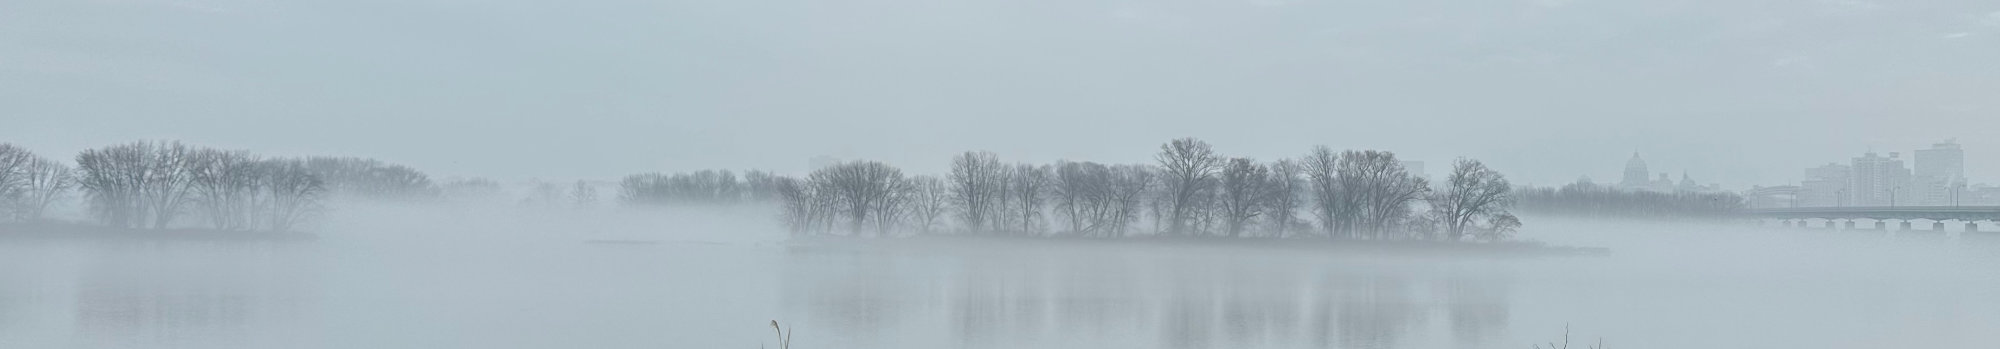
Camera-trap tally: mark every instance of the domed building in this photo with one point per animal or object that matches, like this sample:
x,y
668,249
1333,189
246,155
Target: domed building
x,y
1635,174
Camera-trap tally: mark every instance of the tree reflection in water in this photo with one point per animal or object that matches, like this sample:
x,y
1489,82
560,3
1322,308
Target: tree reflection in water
x,y
1125,296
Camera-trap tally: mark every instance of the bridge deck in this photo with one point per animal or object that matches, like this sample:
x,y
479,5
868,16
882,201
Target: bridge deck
x,y
1967,213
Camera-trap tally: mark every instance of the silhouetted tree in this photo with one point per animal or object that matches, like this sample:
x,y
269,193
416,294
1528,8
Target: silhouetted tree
x,y
1592,200
929,200
1471,193
291,194
760,186
548,194
16,168
43,182
1189,167
136,184
1499,227
1026,186
1334,211
13,171
1245,187
1381,186
1283,201
707,187
582,194
861,190
473,189
371,179
978,184
1128,189
804,212
225,185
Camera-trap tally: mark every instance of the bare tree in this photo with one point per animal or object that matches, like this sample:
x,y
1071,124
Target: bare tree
x,y
1189,167
43,183
929,200
582,194
1473,191
803,212
548,194
1085,194
977,185
1245,186
111,178
891,211
1499,227
760,186
137,184
167,182
860,190
1026,189
1322,168
225,185
1283,200
707,187
1128,188
1381,187
371,179
291,194
14,162
473,189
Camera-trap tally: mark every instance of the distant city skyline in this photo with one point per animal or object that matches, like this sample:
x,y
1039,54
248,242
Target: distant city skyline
x,y
1937,177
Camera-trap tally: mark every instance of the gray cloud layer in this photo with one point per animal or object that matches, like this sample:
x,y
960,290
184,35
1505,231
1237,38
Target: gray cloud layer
x,y
1734,92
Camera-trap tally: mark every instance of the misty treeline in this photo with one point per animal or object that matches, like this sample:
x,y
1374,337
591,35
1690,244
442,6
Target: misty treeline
x,y
1586,199
1190,191
163,185
708,187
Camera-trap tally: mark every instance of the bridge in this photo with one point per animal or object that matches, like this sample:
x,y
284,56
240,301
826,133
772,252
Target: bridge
x,y
1970,216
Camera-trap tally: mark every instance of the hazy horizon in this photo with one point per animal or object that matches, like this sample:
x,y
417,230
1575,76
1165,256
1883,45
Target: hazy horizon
x,y
1545,91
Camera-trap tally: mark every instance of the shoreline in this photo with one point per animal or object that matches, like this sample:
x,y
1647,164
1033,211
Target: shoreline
x,y
62,231
1414,247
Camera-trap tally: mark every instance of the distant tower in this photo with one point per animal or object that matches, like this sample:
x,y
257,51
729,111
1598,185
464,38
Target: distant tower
x,y
1879,181
1635,173
1940,171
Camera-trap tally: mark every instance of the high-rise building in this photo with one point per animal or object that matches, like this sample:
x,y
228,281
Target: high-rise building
x,y
1880,181
1635,174
1940,174
1826,186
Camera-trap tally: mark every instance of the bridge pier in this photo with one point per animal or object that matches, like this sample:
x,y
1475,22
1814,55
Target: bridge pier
x,y
1849,218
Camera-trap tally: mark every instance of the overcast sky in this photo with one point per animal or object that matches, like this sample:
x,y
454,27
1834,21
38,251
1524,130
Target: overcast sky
x,y
1730,91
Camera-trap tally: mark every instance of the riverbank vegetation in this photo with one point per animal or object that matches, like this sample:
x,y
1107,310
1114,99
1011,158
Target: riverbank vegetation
x,y
1189,191
172,188
1588,200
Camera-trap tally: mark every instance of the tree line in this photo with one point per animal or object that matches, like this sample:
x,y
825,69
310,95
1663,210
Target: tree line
x,y
162,185
1586,199
1189,191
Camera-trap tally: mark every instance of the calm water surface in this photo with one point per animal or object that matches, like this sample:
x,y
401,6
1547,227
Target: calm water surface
x,y
1661,287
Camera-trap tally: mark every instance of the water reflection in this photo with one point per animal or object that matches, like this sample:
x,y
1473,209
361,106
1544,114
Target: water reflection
x,y
1125,297
183,293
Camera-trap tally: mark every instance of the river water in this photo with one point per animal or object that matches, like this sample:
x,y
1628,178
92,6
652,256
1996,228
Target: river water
x,y
471,283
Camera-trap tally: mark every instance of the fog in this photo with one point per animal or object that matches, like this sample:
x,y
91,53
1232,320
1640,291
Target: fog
x,y
505,277
997,174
